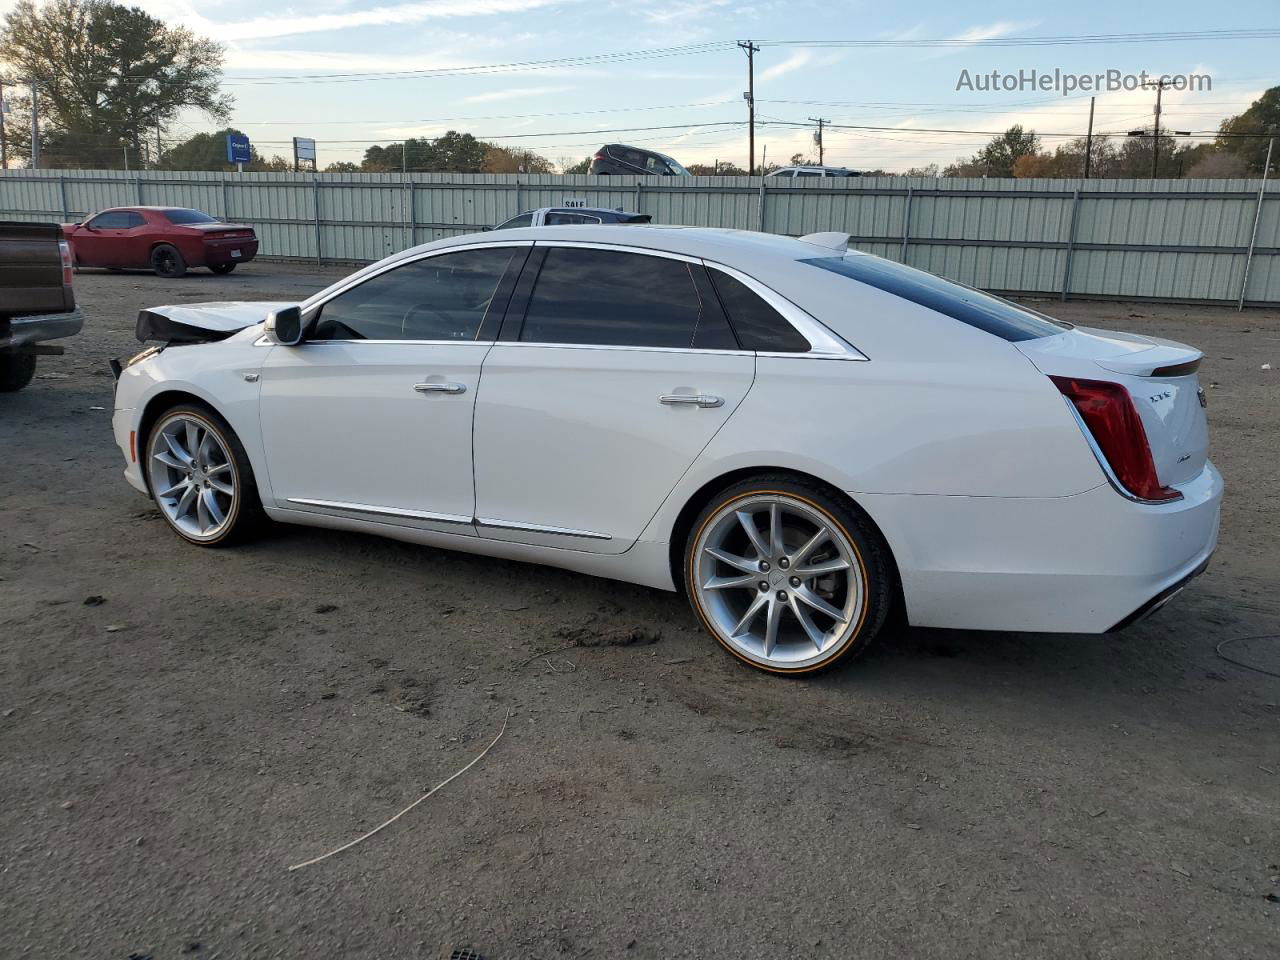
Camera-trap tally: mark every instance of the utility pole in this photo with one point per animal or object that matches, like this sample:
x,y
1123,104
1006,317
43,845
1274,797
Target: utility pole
x,y
159,147
1088,141
820,121
750,96
35,129
4,146
1160,86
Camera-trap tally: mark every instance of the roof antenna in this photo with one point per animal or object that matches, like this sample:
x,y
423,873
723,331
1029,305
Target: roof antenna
x,y
836,241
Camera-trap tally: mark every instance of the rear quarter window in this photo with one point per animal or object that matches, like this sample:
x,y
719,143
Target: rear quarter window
x,y
970,306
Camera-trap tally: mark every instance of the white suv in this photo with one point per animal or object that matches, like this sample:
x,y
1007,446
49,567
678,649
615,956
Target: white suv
x,y
815,172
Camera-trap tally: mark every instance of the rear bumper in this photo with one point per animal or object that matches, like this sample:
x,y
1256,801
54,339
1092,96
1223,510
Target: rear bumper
x,y
23,331
1082,564
223,251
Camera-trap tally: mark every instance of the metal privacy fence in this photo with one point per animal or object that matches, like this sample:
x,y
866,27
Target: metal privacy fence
x,y
1186,240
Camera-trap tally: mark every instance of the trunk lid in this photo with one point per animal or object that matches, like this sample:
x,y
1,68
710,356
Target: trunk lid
x,y
202,322
1160,377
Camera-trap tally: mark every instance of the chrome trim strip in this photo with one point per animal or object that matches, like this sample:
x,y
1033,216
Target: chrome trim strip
x,y
619,248
382,511
822,339
403,343
634,349
539,528
1106,467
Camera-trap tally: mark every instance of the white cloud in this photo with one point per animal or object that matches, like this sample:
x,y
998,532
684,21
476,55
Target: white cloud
x,y
263,27
797,60
513,93
992,31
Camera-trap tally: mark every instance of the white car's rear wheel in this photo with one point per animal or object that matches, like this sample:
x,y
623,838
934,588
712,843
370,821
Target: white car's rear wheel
x,y
200,477
786,576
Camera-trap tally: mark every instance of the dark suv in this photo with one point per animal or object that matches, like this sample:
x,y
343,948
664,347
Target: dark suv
x,y
620,159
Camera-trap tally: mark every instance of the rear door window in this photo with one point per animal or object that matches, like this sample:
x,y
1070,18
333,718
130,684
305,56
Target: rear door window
x,y
610,298
758,325
556,218
134,220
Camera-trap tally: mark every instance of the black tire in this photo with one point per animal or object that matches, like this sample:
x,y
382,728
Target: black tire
x,y
167,262
16,370
246,516
222,268
878,570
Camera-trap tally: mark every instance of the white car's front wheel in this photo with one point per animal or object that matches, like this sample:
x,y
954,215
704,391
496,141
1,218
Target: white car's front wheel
x,y
786,576
200,477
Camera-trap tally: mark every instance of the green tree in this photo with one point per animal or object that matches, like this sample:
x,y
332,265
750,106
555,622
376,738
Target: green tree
x,y
998,157
342,166
582,166
1262,117
108,77
452,152
206,151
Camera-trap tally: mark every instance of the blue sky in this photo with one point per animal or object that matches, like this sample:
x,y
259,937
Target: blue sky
x,y
901,88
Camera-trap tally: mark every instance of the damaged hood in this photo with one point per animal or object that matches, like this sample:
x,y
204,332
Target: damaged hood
x,y
203,322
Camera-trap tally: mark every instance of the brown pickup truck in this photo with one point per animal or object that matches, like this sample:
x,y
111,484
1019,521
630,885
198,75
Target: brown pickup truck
x,y
37,303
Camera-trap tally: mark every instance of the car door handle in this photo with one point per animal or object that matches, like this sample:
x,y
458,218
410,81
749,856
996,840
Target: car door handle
x,y
696,399
440,387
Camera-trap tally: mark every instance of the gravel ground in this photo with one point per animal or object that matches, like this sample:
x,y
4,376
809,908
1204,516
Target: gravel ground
x,y
166,753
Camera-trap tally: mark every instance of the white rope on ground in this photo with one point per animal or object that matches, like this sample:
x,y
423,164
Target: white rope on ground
x,y
381,826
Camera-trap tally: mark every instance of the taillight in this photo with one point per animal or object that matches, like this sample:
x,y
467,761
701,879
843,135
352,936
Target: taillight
x,y
67,271
1109,415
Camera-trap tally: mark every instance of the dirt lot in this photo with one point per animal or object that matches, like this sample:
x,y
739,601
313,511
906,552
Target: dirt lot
x,y
165,754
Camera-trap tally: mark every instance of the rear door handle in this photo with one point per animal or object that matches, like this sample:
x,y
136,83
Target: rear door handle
x,y
440,387
695,399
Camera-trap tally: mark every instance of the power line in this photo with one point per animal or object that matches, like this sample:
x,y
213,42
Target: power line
x,y
1267,33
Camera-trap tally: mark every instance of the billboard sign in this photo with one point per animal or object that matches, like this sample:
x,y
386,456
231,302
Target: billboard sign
x,y
237,148
304,148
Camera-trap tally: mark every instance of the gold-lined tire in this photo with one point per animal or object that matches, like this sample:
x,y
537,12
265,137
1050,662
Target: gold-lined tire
x,y
200,477
788,576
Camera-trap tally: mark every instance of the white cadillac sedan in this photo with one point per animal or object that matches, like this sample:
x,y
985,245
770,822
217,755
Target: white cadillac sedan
x,y
798,437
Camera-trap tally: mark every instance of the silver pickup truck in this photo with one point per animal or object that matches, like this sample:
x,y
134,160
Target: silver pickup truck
x,y
37,303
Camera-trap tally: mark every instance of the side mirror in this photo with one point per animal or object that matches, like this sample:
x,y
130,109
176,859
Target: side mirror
x,y
284,327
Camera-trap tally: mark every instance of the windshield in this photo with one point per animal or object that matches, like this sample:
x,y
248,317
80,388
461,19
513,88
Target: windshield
x,y
182,216
995,315
678,170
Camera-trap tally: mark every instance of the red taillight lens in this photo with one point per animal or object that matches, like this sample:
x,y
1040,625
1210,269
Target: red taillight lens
x,y
65,249
1109,414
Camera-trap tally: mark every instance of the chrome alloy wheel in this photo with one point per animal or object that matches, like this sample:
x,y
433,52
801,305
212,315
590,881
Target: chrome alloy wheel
x,y
193,476
779,581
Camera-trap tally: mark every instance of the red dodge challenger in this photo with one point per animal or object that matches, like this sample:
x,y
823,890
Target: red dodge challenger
x,y
167,240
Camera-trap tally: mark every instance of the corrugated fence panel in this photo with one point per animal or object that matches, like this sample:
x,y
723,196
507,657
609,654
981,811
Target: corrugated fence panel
x,y
1166,239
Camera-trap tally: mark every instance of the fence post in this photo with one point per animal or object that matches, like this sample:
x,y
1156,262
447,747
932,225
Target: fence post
x,y
226,198
1257,216
412,214
138,181
518,210
1071,243
62,189
639,187
760,207
906,226
315,203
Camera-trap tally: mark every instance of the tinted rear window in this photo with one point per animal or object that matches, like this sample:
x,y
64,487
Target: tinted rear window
x,y
1004,319
179,217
